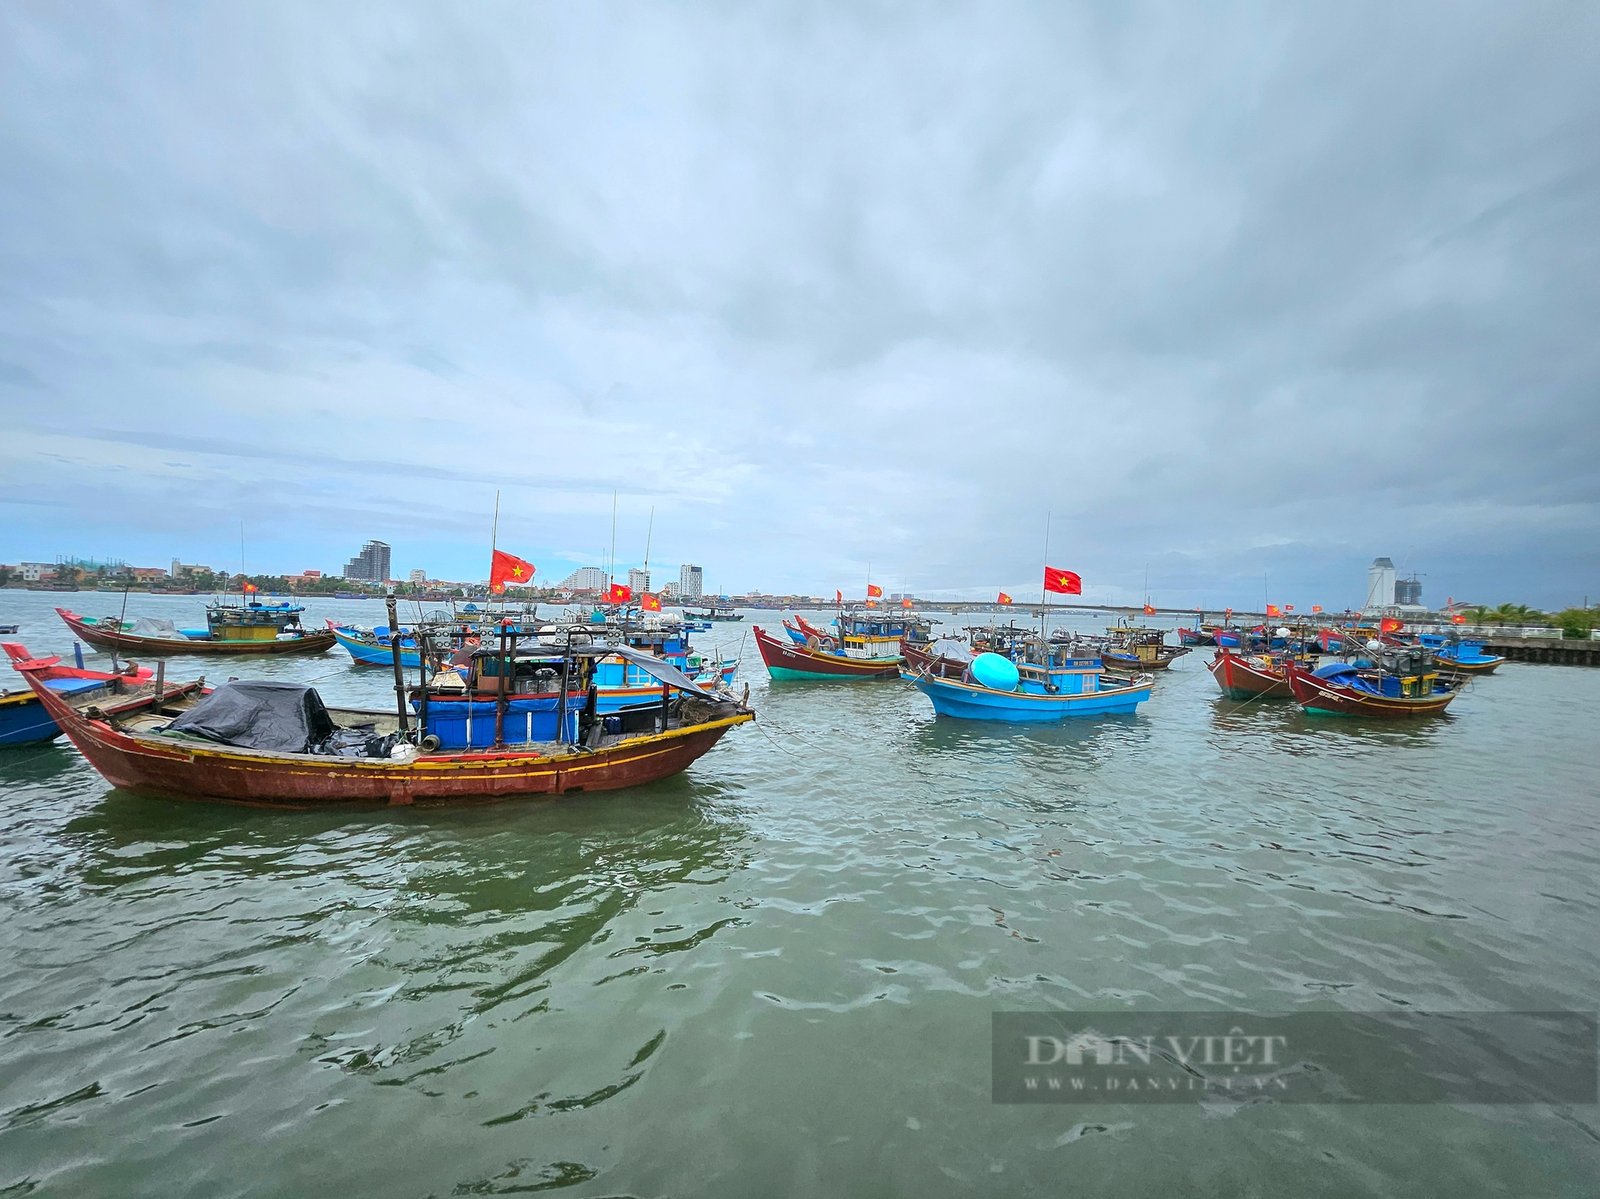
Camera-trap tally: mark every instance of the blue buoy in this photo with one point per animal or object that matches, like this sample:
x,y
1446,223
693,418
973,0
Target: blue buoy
x,y
995,672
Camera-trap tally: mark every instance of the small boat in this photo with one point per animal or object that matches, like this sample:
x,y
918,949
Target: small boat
x,y
225,619
1249,676
713,612
372,647
23,719
1402,684
1459,657
150,636
1194,637
276,744
1052,683
1132,647
8,630
868,648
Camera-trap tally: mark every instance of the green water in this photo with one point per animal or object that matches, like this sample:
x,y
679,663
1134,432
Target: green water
x,y
774,975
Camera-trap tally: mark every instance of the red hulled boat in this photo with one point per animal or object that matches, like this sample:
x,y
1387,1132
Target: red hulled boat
x,y
788,660
127,738
1249,676
1340,689
102,636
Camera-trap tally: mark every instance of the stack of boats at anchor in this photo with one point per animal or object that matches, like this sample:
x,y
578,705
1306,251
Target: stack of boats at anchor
x,y
495,702
1380,673
1005,673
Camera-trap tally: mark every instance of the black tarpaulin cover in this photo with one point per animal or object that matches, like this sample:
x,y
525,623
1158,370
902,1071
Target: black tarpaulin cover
x,y
287,717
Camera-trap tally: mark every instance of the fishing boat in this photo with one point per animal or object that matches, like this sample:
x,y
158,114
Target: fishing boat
x,y
372,647
152,636
1458,656
1133,647
276,744
1051,683
223,618
23,719
1401,684
1195,637
867,646
8,630
713,612
1246,676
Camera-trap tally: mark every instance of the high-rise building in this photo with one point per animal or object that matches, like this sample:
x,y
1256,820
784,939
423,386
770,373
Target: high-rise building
x,y
638,581
585,578
690,584
1408,592
419,575
371,565
1380,585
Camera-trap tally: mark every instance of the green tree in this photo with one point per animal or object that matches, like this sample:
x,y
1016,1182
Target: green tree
x,y
1577,623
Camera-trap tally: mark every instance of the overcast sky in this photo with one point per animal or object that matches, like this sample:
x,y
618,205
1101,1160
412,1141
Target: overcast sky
x,y
1229,291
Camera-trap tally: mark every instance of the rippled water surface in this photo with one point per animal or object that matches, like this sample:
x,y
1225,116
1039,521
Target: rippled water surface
x,y
775,973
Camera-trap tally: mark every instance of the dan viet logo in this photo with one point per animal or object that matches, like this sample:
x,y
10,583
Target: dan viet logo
x,y
1301,1057
1137,1063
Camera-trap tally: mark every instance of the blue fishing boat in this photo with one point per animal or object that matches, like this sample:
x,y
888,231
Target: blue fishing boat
x,y
1458,656
1052,683
372,647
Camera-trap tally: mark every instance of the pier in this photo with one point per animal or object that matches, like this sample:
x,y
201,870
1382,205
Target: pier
x,y
1550,650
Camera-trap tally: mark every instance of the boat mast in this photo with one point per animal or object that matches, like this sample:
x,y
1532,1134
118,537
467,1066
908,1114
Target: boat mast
x,y
1044,574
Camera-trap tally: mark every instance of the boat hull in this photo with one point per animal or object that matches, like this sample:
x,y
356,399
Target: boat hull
x,y
971,701
1240,678
191,769
316,642
1323,698
24,721
366,653
786,661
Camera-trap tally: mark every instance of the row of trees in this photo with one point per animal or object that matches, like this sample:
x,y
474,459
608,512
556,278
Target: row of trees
x,y
1573,622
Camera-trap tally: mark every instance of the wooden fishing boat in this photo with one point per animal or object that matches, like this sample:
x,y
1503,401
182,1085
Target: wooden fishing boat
x,y
23,719
1196,637
111,634
713,612
1051,683
1249,676
788,661
277,744
1131,647
1405,686
1456,656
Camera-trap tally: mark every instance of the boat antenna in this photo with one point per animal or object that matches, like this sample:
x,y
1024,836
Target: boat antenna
x,y
1044,573
127,584
611,563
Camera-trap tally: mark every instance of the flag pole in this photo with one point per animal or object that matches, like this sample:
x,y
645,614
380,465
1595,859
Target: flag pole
x,y
1044,595
494,538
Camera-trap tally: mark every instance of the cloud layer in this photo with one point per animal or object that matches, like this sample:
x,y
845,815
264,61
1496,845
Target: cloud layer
x,y
1228,291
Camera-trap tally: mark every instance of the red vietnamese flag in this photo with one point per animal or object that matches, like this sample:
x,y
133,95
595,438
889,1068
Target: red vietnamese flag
x,y
650,603
874,591
1062,582
1316,609
1390,625
838,596
1004,598
1273,610
508,568
249,586
905,603
1149,610
618,593
1459,618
